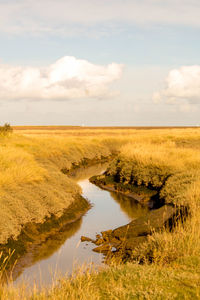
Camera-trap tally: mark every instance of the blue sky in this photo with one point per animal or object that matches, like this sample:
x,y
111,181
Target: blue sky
x,y
137,62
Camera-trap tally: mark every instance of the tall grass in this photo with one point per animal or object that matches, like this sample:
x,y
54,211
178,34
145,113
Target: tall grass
x,y
32,186
174,170
122,282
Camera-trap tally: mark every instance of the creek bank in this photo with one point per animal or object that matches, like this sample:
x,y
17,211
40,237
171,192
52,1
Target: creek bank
x,y
29,246
39,240
85,163
142,194
119,244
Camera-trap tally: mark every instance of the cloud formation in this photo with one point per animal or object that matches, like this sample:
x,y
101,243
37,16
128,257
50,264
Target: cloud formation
x,y
70,17
67,78
182,86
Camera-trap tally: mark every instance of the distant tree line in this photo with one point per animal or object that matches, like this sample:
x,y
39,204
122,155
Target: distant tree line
x,y
6,129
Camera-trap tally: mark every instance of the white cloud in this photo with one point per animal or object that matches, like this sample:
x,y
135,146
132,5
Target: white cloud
x,y
74,16
182,86
67,78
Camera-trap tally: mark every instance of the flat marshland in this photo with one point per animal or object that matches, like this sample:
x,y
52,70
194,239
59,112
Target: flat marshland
x,y
34,186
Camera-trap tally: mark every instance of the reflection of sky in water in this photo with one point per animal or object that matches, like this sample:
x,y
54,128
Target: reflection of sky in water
x,y
105,214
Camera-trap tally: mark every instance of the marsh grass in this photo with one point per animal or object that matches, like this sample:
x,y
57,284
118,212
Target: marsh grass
x,y
174,170
130,281
32,186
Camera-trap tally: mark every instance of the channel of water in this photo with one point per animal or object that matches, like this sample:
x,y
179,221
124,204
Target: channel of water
x,y
109,210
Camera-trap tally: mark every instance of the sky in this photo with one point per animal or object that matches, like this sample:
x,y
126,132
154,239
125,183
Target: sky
x,y
100,62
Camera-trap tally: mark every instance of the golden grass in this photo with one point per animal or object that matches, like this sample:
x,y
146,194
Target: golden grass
x,y
32,186
123,282
163,162
18,166
30,164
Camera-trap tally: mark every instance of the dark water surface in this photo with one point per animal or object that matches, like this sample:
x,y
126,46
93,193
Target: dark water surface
x,y
63,252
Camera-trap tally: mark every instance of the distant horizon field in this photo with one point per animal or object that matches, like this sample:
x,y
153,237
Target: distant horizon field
x,y
65,127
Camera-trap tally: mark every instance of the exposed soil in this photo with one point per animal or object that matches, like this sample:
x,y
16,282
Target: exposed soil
x,y
85,163
120,242
142,194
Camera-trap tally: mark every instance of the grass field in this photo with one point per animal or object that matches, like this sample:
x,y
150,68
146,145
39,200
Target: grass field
x,y
32,186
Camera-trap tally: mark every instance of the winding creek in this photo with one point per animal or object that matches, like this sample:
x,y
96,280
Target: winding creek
x,y
62,252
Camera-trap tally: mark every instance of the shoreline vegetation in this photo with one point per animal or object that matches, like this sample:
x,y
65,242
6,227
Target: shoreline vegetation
x,y
33,184
162,164
40,240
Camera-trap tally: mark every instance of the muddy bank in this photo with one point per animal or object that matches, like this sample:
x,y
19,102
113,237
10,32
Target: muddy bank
x,y
142,194
85,164
120,243
40,240
37,241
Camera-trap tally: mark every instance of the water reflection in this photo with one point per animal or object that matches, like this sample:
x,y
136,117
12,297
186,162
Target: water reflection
x,y
130,206
59,247
46,248
81,174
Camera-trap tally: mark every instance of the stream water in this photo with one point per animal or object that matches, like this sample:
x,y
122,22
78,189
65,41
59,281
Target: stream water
x,y
109,210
